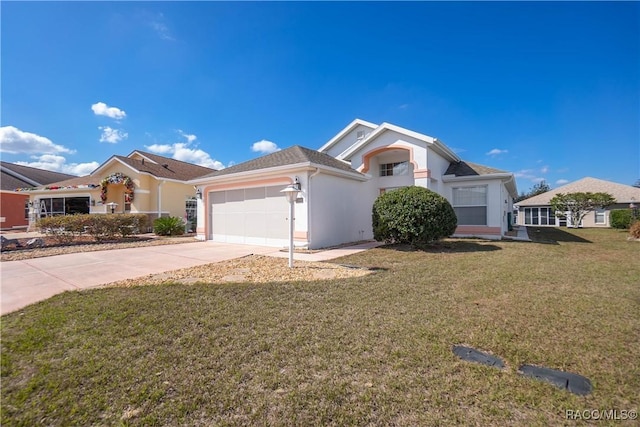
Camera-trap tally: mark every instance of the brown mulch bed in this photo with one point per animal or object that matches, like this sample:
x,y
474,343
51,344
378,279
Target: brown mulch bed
x,y
249,269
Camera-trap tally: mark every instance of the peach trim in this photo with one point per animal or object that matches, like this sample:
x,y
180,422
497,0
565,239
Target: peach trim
x,y
284,180
421,173
300,235
478,229
366,158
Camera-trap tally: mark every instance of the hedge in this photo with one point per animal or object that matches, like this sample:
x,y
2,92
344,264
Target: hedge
x,y
621,218
65,228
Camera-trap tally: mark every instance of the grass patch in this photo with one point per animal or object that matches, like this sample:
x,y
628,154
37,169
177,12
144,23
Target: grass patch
x,y
370,350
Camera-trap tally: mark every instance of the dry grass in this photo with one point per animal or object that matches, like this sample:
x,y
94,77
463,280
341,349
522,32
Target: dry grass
x,y
373,350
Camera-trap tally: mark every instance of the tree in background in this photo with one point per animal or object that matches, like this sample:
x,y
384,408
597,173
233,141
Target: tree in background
x,y
637,183
575,206
539,188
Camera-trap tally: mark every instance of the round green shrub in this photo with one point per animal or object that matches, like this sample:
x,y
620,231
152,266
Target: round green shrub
x,y
168,226
413,215
621,218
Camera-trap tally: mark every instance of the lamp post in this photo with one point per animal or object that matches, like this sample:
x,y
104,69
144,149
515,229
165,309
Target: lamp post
x,y
291,193
112,206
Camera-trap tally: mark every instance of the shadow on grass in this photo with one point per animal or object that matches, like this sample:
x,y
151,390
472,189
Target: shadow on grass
x,y
444,247
553,235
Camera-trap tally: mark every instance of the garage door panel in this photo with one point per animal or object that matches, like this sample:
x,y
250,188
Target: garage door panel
x,y
250,215
235,196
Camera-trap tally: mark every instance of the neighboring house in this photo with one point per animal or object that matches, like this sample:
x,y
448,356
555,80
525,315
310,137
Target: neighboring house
x,y
339,184
138,183
537,210
14,208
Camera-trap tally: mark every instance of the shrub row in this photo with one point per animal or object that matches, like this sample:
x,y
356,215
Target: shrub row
x,y
65,228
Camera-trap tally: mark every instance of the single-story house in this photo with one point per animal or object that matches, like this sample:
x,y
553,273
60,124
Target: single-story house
x,y
339,183
141,182
537,210
14,204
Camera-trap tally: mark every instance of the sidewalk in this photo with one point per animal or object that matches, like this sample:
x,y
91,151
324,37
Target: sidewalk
x,y
29,281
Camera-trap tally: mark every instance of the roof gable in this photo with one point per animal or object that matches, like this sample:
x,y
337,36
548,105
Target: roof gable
x,y
432,142
157,166
289,156
350,127
19,176
622,193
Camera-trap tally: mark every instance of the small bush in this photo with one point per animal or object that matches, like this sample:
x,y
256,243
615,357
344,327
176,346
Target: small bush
x,y
413,215
635,230
168,226
621,218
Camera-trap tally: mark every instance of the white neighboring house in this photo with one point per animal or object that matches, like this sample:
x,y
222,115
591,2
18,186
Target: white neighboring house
x,y
339,184
537,211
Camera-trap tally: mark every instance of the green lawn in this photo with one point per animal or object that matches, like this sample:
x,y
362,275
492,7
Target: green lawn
x,y
374,350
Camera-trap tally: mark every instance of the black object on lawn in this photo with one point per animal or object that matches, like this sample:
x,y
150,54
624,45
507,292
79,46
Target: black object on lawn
x,y
574,383
473,355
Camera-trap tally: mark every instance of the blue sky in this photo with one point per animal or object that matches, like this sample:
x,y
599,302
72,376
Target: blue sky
x,y
546,90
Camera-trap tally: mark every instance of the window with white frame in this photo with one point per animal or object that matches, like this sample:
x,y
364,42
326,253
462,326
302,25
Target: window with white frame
x,y
600,216
539,216
470,205
394,169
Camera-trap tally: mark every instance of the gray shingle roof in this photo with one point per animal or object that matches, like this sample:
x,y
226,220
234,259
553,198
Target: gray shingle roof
x,y
622,193
289,156
40,176
463,168
176,169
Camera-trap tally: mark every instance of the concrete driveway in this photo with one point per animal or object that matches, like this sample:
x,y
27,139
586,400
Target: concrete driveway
x,y
33,280
29,281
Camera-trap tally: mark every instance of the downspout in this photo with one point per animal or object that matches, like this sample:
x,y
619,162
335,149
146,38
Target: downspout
x,y
160,198
309,210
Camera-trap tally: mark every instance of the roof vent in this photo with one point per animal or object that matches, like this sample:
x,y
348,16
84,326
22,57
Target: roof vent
x,y
165,165
360,134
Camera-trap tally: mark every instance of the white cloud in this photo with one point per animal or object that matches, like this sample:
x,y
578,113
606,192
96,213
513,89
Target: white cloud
x,y
160,148
182,151
562,181
161,29
112,136
190,137
528,174
544,169
15,141
102,109
265,147
496,152
56,163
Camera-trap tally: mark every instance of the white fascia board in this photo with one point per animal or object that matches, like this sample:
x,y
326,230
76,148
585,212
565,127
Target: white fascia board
x,y
275,171
248,174
345,131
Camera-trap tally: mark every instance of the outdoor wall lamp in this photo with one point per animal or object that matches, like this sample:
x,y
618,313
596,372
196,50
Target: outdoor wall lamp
x,y
199,194
291,193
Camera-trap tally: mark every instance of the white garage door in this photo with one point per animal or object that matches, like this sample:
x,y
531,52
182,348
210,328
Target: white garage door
x,y
255,216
